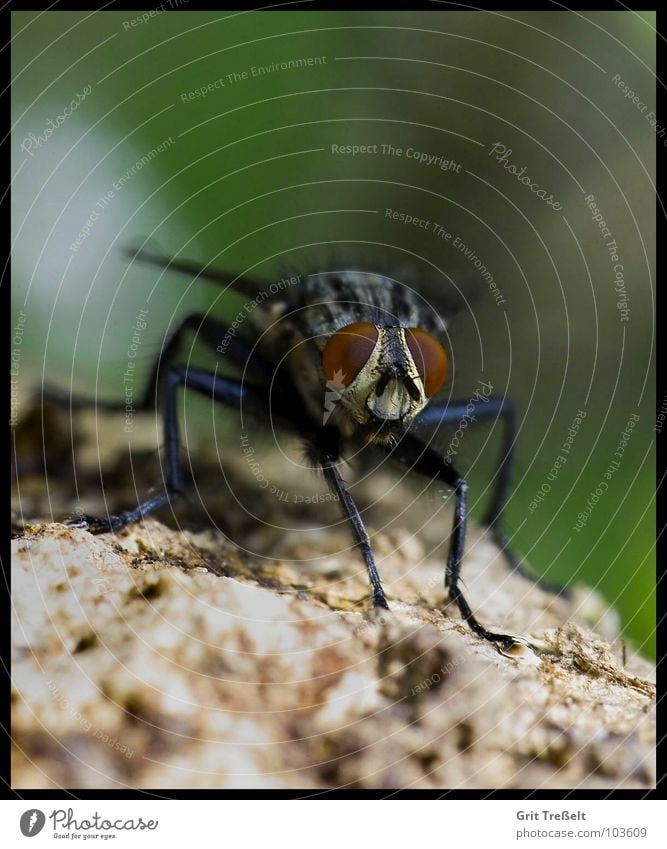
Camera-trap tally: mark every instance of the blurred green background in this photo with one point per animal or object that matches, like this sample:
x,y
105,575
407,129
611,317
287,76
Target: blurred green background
x,y
242,175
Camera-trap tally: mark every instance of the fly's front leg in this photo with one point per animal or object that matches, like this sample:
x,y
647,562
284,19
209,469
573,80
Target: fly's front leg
x,y
338,485
425,460
485,408
217,337
221,390
210,331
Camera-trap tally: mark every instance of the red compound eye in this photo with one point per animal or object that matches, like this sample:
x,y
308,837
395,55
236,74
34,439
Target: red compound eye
x,y
429,357
348,351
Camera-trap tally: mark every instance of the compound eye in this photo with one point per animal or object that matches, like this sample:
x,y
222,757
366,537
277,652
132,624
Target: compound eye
x,y
348,351
429,357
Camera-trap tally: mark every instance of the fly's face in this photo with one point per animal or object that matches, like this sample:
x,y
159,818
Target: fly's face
x,y
384,375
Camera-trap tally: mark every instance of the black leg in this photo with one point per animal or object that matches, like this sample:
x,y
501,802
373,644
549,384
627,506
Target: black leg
x,y
487,407
219,389
334,479
219,338
427,461
475,411
211,331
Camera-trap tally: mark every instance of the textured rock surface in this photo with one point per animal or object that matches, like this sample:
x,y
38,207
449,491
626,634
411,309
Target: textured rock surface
x,y
161,658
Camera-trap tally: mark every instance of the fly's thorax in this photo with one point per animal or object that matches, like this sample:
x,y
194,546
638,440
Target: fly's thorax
x,y
328,301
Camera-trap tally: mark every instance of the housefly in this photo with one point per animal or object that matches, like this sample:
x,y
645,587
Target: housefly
x,y
346,359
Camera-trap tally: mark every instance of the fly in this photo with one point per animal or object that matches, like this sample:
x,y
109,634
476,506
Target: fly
x,y
345,359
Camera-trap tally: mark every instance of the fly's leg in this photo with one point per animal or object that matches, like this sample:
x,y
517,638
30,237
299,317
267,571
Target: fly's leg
x,y
211,331
216,336
338,485
427,461
493,407
221,390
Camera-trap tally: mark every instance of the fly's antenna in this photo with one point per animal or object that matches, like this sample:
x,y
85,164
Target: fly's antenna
x,y
240,283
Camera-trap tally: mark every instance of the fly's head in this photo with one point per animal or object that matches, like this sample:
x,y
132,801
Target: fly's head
x,y
383,375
